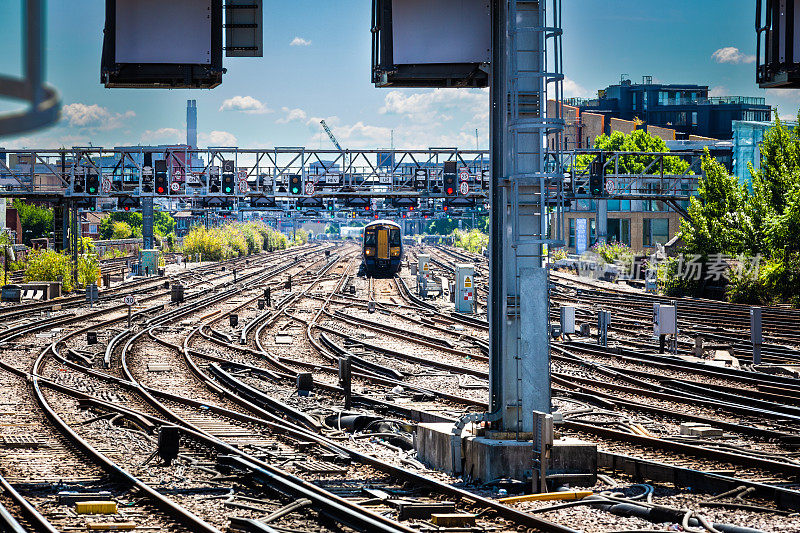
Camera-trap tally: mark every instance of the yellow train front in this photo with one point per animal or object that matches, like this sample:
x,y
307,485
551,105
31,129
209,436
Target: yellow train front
x,y
382,250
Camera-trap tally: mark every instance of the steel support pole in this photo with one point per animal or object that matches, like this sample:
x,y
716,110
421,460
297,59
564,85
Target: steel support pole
x,y
520,351
147,223
602,221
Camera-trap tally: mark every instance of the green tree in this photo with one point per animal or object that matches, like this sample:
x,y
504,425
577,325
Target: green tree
x,y
718,221
442,226
163,223
131,218
121,230
636,141
37,222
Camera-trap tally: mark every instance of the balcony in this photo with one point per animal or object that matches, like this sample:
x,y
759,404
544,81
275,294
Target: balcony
x,y
714,100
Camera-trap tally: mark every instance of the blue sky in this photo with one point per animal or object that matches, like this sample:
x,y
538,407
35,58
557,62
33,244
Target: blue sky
x,y
317,61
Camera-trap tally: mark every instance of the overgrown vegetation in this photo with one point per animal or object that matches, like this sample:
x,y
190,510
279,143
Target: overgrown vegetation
x,y
37,222
754,232
300,237
473,240
48,265
232,240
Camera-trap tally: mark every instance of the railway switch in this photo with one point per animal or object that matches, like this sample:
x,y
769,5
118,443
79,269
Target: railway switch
x,y
345,381
169,442
91,337
567,320
603,321
756,335
305,383
234,320
176,293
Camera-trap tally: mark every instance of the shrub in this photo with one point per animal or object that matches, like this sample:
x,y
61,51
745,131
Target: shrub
x,y
47,265
88,269
558,254
300,237
121,230
472,241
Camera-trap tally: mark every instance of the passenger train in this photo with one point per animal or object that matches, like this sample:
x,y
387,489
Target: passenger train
x,y
382,250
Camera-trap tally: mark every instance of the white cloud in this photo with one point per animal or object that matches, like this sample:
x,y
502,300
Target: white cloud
x,y
573,89
730,54
246,104
438,105
217,138
93,116
299,41
719,90
164,136
292,115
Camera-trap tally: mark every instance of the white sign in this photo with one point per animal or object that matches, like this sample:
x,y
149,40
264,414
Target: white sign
x,y
611,187
463,174
309,187
333,179
106,186
463,188
193,179
385,180
147,171
243,186
467,282
581,235
175,186
129,300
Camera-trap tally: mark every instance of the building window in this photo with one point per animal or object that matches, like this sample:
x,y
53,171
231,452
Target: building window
x,y
92,228
619,230
571,243
655,231
588,142
694,118
662,97
644,104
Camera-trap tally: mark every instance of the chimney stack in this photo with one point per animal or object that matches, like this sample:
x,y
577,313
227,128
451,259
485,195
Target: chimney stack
x,y
191,123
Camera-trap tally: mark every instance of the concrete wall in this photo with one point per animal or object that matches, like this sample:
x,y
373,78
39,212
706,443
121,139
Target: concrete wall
x,y
624,126
667,134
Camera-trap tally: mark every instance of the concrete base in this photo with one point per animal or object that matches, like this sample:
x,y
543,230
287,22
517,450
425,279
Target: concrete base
x,y
488,458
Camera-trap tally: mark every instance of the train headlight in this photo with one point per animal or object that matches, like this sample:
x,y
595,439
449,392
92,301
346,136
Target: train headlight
x,y
369,251
395,252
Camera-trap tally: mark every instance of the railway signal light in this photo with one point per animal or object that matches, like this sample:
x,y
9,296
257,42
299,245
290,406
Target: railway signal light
x,y
160,176
92,183
450,175
126,203
228,175
597,176
79,184
295,184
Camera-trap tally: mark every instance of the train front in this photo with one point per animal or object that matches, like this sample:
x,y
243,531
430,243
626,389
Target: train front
x,y
383,249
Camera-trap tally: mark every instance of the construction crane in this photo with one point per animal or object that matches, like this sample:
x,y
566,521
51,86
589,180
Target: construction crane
x,y
330,135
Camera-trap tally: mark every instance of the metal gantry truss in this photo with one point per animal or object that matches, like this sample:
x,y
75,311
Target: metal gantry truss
x,y
258,172
331,173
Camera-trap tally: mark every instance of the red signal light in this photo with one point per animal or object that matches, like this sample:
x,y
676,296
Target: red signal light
x,y
366,208
160,190
445,208
450,191
126,208
376,216
411,208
